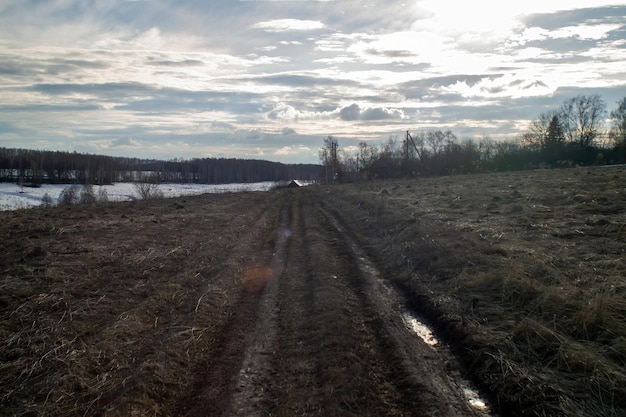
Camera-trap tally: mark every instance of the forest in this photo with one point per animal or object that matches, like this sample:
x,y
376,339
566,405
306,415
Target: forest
x,y
34,167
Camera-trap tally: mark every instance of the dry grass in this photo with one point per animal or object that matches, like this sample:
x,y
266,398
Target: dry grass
x,y
525,271
111,309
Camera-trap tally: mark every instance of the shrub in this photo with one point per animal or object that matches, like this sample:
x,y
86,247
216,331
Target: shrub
x,y
103,197
46,200
148,190
87,195
69,196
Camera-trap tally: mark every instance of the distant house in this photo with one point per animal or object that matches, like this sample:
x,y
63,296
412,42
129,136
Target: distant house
x,y
295,183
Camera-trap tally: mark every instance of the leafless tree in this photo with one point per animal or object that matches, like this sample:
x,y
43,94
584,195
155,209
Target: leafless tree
x,y
148,188
329,158
617,132
538,130
69,196
581,119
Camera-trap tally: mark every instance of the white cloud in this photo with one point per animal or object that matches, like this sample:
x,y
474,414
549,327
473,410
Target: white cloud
x,y
508,85
286,25
585,32
286,112
354,112
105,145
292,150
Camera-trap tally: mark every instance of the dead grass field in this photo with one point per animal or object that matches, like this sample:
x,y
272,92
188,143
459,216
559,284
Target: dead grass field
x,y
524,272
147,308
114,309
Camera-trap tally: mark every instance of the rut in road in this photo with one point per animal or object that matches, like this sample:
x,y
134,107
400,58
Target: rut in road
x,y
231,380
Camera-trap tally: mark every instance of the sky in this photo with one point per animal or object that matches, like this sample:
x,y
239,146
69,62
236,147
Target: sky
x,y
270,79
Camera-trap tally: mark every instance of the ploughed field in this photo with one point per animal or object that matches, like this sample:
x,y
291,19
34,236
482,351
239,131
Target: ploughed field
x,y
293,302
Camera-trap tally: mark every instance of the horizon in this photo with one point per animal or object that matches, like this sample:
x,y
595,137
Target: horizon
x,y
157,79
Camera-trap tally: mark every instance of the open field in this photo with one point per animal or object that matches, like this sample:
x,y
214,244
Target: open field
x,y
290,302
525,272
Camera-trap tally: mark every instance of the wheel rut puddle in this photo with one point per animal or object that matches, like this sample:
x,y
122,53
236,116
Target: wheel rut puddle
x,y
423,354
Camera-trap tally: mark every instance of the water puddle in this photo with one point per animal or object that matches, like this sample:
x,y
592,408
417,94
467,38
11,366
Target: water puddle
x,y
420,329
473,397
471,394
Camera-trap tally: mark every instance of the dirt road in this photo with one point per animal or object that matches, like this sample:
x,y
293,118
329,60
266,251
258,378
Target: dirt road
x,y
244,305
318,331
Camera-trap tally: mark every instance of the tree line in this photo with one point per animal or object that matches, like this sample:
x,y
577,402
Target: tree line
x,y
34,167
576,133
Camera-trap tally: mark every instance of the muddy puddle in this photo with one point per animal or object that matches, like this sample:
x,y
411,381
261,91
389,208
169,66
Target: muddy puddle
x,y
424,332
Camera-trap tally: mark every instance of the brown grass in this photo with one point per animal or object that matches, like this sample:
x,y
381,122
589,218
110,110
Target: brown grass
x,y
110,309
524,271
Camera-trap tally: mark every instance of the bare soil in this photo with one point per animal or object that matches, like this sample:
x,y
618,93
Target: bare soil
x,y
290,302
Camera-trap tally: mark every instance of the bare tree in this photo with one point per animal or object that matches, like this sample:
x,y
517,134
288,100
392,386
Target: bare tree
x,y
617,132
539,129
436,141
148,188
581,118
366,157
328,157
70,195
87,195
46,200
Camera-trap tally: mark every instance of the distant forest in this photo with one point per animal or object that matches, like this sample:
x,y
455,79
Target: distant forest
x,y
34,167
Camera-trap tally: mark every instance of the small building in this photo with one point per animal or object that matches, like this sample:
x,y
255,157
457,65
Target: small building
x,y
295,183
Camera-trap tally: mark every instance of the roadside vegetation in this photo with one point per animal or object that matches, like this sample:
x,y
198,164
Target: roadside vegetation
x,y
524,273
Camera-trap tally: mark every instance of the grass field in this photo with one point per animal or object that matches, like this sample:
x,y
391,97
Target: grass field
x,y
147,307
525,272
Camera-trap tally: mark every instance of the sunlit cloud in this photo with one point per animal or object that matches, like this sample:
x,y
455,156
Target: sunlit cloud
x,y
285,25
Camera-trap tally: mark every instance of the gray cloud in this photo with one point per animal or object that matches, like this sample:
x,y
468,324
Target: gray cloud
x,y
184,63
593,16
354,112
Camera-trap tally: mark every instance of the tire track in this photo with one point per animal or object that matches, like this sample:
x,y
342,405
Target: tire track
x,y
250,396
231,380
447,393
333,356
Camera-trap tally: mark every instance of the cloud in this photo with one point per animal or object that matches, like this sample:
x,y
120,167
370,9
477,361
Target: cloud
x,y
107,145
354,112
283,111
288,151
287,25
125,143
172,63
507,85
286,112
222,126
